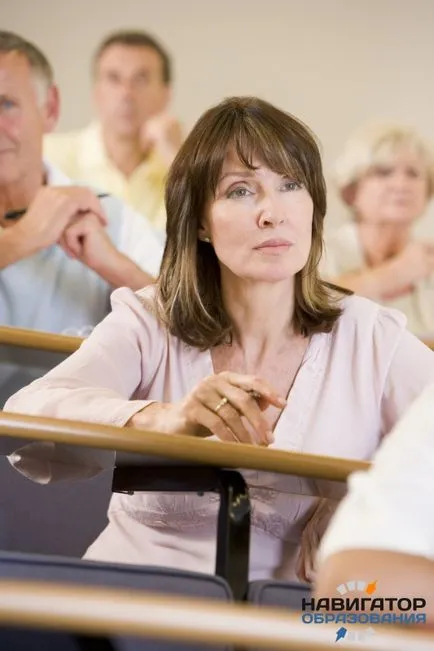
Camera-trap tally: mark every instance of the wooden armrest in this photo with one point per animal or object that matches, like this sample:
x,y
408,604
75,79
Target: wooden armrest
x,y
108,611
180,447
39,340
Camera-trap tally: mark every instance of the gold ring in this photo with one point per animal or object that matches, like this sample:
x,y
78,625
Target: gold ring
x,y
224,401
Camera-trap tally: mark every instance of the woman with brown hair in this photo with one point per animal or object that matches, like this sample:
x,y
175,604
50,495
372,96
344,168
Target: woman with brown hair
x,y
241,340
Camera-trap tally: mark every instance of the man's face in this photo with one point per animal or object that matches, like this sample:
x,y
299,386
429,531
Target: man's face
x,y
24,118
129,88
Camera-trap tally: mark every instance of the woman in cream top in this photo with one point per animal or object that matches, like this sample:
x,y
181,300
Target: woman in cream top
x,y
386,178
239,307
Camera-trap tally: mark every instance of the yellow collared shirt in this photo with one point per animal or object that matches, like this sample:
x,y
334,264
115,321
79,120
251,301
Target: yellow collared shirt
x,y
81,155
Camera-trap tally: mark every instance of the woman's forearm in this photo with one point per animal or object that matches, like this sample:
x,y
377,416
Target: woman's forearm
x,y
376,283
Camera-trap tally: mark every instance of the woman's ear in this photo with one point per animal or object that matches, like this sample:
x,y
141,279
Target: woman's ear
x,y
203,234
204,238
348,194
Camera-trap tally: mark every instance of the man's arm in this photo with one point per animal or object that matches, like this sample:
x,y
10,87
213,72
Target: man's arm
x,y
45,221
121,271
374,283
87,240
13,246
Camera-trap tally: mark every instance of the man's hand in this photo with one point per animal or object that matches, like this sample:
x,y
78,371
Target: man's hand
x,y
52,211
87,240
163,134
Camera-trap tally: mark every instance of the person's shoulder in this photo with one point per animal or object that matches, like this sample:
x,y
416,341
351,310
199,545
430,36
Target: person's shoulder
x,y
361,310
65,148
362,315
344,234
341,250
142,302
135,312
61,144
147,296
72,137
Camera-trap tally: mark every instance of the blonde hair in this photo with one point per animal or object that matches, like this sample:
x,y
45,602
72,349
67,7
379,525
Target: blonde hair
x,y
375,145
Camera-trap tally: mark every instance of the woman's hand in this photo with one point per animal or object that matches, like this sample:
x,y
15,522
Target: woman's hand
x,y
395,277
414,263
227,405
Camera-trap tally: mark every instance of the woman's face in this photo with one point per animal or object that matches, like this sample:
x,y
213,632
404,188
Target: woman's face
x,y
259,222
395,192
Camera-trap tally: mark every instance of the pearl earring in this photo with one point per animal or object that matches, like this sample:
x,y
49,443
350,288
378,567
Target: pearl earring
x,y
207,239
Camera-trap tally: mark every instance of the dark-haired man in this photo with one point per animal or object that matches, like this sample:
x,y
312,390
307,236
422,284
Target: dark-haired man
x,y
131,145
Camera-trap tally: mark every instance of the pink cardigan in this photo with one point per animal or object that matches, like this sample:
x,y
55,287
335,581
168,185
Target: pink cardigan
x,y
352,387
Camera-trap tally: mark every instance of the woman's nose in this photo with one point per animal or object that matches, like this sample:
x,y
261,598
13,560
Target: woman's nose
x,y
401,181
271,213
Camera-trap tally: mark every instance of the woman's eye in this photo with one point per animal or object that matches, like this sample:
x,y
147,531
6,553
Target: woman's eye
x,y
237,193
7,104
290,186
414,173
382,171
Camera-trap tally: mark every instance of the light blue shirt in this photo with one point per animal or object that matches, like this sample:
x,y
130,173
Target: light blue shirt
x,y
50,291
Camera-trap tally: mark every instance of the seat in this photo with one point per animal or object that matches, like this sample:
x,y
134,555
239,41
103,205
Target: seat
x,y
154,579
63,518
280,594
29,513
20,366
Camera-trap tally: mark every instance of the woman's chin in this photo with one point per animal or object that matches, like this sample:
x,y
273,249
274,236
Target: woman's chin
x,y
271,277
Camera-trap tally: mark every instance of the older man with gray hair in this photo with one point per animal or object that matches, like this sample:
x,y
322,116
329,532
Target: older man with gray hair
x,y
63,248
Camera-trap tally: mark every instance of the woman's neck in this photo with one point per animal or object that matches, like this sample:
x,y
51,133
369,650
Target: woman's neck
x,y
262,317
381,241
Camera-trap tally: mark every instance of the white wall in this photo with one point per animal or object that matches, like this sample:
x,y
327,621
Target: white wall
x,y
333,63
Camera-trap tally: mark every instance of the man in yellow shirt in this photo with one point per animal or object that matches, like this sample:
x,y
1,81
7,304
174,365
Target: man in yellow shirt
x,y
128,150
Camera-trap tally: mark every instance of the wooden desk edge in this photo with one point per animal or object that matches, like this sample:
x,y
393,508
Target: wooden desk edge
x,y
182,447
39,340
115,611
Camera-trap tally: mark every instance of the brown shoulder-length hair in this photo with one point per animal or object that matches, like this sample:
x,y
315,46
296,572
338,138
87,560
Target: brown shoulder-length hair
x,y
188,298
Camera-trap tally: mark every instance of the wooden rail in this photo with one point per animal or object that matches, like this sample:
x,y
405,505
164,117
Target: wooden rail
x,y
108,611
39,340
179,447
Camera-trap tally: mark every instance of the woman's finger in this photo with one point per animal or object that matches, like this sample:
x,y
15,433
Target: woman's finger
x,y
213,397
244,404
259,386
212,423
238,404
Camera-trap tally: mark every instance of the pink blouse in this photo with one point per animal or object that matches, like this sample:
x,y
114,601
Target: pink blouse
x,y
352,387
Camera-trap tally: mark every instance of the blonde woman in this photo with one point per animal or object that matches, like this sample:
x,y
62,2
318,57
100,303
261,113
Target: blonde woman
x,y
386,177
